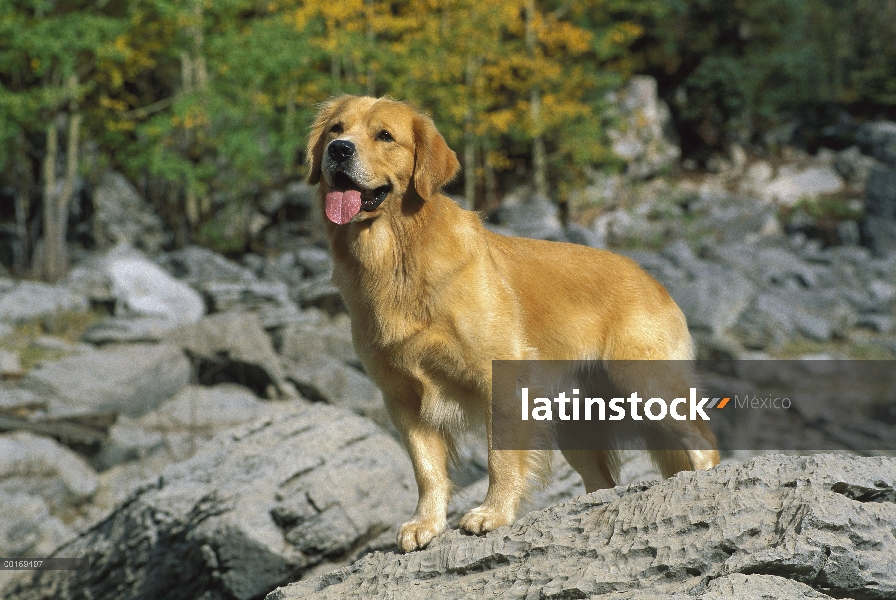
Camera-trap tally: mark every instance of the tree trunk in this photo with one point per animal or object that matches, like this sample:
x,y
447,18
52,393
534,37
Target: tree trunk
x,y
539,155
22,246
469,141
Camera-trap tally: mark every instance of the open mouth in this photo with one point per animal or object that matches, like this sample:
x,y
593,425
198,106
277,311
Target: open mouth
x,y
370,199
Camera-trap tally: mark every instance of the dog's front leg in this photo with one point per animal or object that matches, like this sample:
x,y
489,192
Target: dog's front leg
x,y
508,473
429,456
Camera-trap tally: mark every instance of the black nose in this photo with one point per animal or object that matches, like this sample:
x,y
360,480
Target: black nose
x,y
341,150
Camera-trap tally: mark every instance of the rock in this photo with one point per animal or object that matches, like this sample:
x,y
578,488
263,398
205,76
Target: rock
x,y
855,167
314,260
332,337
142,289
232,347
322,378
22,301
10,365
225,296
122,216
643,140
791,527
180,425
197,265
39,466
128,330
848,233
879,234
27,528
130,380
532,216
318,292
253,510
879,139
881,193
791,186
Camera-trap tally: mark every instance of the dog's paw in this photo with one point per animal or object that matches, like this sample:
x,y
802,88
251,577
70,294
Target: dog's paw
x,y
417,534
483,519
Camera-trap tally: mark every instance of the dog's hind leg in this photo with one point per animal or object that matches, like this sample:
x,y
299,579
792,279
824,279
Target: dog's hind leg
x,y
597,468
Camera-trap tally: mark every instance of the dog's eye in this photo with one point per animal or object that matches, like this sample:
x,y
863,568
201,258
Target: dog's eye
x,y
336,129
385,136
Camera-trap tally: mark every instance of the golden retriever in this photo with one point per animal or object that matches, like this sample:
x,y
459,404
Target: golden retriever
x,y
434,298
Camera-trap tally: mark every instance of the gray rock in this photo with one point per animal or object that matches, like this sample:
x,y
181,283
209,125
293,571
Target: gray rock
x,y
855,167
196,265
790,186
879,138
122,216
792,527
130,380
41,467
25,300
315,260
318,292
714,298
881,193
233,347
643,139
879,234
224,296
128,330
10,365
322,378
254,510
179,426
332,337
142,289
531,216
27,528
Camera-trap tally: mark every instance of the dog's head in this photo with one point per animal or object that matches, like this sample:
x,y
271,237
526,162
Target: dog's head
x,y
368,154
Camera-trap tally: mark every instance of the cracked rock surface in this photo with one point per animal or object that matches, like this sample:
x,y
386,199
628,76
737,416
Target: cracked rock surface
x,y
257,508
774,527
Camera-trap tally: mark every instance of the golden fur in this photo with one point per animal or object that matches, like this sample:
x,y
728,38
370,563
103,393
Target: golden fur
x,y
434,297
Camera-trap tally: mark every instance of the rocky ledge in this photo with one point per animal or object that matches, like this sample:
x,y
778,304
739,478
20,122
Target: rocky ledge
x,y
773,527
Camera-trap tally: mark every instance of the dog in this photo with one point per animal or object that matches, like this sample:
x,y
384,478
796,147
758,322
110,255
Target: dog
x,y
434,297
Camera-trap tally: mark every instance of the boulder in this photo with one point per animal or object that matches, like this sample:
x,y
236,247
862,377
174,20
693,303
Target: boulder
x,y
643,139
530,215
255,509
129,380
319,335
120,215
27,528
233,347
791,186
142,289
773,527
196,265
22,301
879,139
879,227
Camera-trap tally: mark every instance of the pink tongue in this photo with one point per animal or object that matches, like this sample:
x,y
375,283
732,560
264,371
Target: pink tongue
x,y
342,206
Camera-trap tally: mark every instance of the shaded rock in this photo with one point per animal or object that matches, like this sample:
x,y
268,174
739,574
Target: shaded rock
x,y
772,523
322,378
25,300
196,265
315,260
120,215
223,296
318,292
130,380
879,226
232,347
255,509
879,139
855,167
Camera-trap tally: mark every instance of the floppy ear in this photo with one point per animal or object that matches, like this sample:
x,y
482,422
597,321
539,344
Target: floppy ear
x,y
315,151
435,164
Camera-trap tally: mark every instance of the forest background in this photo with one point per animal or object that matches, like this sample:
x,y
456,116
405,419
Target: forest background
x,y
205,105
